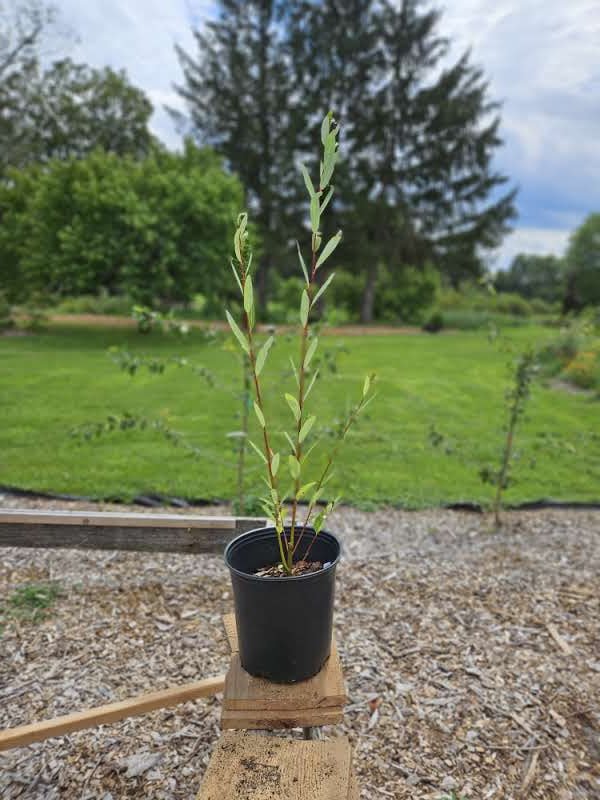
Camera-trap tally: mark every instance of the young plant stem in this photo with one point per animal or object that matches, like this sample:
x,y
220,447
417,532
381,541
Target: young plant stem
x,y
281,537
301,381
505,462
241,464
520,394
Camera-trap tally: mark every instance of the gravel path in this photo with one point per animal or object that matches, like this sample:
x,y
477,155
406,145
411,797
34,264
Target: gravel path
x,y
472,660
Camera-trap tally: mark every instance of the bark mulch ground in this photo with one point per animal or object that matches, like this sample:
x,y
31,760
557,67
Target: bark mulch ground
x,y
472,659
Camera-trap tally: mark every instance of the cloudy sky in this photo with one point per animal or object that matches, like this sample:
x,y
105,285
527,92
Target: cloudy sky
x,y
542,58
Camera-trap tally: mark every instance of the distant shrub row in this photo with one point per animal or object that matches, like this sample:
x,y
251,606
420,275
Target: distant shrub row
x,y
155,228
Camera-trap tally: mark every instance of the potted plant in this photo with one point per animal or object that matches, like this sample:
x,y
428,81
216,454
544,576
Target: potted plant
x,y
283,576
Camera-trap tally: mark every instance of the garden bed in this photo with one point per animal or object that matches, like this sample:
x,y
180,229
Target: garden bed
x,y
472,659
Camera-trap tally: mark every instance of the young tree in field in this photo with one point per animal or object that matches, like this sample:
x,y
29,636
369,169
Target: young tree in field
x,y
240,100
420,132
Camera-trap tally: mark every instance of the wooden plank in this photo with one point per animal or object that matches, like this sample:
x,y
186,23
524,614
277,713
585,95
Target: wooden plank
x,y
107,530
273,719
254,767
231,632
112,712
354,790
245,692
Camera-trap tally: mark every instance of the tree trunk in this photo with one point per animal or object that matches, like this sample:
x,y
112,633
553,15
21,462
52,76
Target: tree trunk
x,y
368,299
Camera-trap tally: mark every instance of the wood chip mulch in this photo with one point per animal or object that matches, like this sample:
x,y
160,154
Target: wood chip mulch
x,y
472,660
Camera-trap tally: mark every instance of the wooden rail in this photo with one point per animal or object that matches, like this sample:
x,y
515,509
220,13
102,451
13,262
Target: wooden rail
x,y
108,530
59,726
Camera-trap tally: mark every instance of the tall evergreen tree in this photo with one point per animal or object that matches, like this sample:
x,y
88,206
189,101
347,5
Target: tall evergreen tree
x,y
419,139
240,100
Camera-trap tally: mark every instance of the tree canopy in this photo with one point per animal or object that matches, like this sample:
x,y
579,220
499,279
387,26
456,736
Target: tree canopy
x,y
583,265
155,229
68,110
416,183
531,275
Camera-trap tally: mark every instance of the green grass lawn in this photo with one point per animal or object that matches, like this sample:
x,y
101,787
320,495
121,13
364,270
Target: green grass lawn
x,y
61,378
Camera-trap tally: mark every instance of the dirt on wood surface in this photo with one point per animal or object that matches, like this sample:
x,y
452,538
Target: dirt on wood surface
x,y
472,659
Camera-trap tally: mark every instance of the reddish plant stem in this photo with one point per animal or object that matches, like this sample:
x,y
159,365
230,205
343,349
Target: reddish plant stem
x,y
301,380
284,549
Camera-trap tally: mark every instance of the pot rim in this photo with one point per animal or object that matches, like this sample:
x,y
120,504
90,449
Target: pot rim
x,y
284,578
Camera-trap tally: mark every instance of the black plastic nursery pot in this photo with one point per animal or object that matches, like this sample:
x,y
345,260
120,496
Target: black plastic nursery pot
x,y
283,624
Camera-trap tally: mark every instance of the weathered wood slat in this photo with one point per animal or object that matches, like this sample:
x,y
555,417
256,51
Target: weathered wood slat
x,y
272,720
243,692
269,768
112,712
107,530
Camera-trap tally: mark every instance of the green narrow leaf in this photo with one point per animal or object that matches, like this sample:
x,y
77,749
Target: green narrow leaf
x,y
310,353
366,385
237,277
249,264
316,496
295,371
262,354
325,127
293,404
307,180
304,489
275,464
328,169
315,213
258,450
305,429
259,414
289,438
367,403
319,520
248,295
237,333
237,246
323,288
329,248
310,449
294,465
325,202
327,479
311,384
304,308
302,264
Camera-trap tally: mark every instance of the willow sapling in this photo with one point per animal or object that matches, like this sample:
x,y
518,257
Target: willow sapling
x,y
296,454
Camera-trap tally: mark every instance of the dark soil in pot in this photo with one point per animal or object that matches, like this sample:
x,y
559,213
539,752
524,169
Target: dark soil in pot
x,y
284,624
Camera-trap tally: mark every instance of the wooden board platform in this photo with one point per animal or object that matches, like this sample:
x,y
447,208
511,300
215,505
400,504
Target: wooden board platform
x,y
109,530
247,766
250,702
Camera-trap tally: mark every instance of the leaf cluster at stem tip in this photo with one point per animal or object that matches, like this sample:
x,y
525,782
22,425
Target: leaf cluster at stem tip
x,y
286,468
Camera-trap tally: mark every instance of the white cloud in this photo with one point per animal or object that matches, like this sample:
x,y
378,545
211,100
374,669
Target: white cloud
x,y
540,241
139,36
542,60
